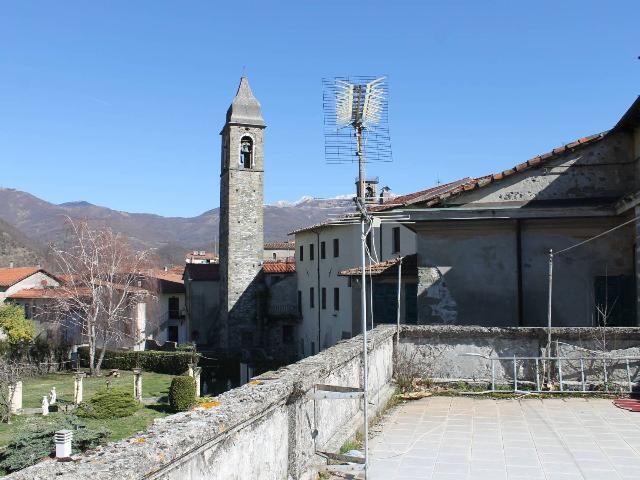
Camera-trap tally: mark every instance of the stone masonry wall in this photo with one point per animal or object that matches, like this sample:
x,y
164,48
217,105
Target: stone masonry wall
x,y
241,234
440,351
269,428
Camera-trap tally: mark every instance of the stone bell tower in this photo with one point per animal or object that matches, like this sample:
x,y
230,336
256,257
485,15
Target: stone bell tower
x,y
241,220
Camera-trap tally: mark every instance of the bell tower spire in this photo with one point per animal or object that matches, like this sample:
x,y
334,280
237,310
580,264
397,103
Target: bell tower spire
x,y
241,220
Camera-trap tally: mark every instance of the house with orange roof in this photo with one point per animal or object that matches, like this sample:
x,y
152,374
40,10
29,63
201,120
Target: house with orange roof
x,y
14,279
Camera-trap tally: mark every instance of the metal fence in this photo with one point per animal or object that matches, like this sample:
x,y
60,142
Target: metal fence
x,y
554,367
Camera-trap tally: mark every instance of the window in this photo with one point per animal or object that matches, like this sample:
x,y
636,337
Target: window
x,y
323,298
323,250
299,302
246,152
27,311
275,256
312,252
396,240
301,253
311,298
174,307
336,298
336,247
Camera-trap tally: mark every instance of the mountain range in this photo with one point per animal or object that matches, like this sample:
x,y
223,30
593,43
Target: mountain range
x,y
28,224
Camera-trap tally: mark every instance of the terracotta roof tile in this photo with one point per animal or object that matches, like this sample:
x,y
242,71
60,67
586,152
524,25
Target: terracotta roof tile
x,y
279,267
11,276
31,293
386,268
480,182
280,246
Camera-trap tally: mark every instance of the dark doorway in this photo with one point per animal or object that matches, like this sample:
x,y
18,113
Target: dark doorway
x,y
172,333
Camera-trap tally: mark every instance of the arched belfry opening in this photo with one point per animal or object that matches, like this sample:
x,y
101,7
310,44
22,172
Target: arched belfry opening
x,y
246,152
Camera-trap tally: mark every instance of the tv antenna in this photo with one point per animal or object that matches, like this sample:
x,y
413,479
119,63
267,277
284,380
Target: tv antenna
x,y
356,130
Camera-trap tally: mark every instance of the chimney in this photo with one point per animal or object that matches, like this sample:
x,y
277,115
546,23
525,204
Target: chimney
x,y
10,264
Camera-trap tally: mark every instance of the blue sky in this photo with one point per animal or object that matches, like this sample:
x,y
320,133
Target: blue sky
x,y
120,103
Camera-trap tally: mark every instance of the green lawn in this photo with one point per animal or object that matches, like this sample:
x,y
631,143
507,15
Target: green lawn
x,y
120,427
33,389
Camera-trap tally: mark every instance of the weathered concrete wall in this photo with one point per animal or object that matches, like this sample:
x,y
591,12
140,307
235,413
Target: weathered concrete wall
x,y
439,351
468,270
467,273
267,429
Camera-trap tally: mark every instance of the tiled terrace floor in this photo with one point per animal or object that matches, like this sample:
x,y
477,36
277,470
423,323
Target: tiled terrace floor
x,y
471,438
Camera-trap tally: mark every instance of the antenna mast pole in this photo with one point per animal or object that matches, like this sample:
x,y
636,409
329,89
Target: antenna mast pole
x,y
360,202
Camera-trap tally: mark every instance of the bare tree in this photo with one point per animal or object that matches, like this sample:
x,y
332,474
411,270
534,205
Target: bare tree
x,y
104,292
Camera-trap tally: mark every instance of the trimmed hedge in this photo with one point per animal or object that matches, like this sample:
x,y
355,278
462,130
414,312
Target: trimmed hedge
x,y
182,393
109,403
171,363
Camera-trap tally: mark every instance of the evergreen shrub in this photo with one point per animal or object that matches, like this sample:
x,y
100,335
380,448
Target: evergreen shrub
x,y
35,442
109,403
182,393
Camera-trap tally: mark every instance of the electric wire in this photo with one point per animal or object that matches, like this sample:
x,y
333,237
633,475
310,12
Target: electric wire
x,y
595,237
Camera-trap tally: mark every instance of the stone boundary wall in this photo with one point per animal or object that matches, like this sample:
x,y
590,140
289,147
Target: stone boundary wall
x,y
437,351
267,429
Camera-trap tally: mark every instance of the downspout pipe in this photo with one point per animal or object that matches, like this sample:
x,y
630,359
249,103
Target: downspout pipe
x,y
317,254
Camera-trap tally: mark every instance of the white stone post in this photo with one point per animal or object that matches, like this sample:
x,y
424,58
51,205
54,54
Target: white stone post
x,y
62,439
141,326
194,372
77,388
45,406
53,396
15,397
196,378
137,384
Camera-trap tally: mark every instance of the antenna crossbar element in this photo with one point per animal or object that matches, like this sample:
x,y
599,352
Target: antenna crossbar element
x,y
360,103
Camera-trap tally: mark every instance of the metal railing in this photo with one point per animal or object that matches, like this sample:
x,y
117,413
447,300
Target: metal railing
x,y
605,361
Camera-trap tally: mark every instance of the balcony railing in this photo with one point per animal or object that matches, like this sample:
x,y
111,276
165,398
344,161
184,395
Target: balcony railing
x,y
283,310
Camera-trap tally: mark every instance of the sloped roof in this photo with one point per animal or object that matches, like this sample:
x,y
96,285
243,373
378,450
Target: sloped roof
x,y
631,118
386,268
11,276
433,197
168,282
421,196
34,293
245,108
279,267
202,272
280,246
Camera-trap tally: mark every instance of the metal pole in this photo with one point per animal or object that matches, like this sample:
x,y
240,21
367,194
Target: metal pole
x,y
363,297
398,313
549,313
364,350
493,375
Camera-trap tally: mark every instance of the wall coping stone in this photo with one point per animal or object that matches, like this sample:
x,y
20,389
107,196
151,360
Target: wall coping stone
x,y
457,331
